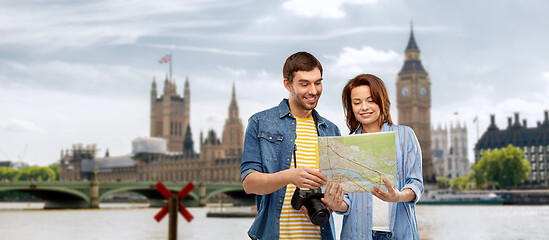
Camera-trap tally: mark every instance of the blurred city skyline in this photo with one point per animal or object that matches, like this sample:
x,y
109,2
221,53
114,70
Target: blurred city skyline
x,y
81,72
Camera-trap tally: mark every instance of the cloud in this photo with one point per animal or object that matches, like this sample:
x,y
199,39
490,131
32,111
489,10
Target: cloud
x,y
79,77
366,59
204,49
265,19
478,69
321,8
542,96
20,126
58,24
233,72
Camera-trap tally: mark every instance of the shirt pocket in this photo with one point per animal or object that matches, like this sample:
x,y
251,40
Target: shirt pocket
x,y
269,144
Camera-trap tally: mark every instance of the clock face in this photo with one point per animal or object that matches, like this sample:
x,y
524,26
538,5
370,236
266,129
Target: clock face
x,y
405,91
423,91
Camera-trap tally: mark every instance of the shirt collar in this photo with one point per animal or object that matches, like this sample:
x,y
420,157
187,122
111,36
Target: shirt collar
x,y
284,110
384,128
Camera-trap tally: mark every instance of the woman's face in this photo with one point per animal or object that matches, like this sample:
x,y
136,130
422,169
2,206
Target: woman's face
x,y
366,111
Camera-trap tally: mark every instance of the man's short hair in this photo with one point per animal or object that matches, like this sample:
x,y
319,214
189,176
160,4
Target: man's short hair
x,y
300,61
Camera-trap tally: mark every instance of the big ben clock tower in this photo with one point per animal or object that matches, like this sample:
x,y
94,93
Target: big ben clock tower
x,y
414,102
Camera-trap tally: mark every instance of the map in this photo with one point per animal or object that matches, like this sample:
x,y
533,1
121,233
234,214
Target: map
x,y
358,162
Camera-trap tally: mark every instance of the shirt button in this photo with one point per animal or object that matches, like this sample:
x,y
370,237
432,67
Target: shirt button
x,y
288,159
270,138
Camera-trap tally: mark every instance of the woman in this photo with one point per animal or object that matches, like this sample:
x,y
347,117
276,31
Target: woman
x,y
380,214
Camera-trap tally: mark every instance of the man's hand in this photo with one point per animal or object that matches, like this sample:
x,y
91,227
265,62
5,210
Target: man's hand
x,y
333,198
305,177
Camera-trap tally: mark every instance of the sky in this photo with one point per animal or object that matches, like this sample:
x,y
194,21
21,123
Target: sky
x,y
81,71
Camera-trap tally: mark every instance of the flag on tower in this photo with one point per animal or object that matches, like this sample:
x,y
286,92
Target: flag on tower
x,y
167,58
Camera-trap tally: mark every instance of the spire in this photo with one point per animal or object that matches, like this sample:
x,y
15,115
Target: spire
x,y
166,86
233,97
154,93
412,62
233,107
188,143
412,45
186,90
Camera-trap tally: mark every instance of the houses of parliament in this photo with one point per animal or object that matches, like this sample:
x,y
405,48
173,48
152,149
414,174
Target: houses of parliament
x,y
168,155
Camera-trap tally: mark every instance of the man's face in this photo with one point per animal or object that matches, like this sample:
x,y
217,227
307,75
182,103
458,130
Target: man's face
x,y
305,89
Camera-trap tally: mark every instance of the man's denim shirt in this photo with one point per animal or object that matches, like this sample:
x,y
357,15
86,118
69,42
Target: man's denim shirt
x,y
268,147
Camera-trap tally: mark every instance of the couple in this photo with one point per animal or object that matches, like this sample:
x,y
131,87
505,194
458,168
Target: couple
x,y
277,137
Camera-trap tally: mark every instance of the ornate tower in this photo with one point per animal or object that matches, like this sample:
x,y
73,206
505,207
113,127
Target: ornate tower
x,y
170,114
458,151
233,132
414,102
439,150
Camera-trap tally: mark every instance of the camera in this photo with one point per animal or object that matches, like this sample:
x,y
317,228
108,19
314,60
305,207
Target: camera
x,y
317,212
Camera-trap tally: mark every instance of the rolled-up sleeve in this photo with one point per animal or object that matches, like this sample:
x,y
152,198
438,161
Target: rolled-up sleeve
x,y
251,155
412,163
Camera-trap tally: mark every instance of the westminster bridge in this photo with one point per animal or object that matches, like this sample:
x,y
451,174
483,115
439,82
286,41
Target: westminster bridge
x,y
89,194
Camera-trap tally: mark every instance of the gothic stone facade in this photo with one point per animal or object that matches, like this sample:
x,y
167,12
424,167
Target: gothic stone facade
x,y
217,161
450,160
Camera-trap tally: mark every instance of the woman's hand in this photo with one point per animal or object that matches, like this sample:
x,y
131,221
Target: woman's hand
x,y
333,198
392,194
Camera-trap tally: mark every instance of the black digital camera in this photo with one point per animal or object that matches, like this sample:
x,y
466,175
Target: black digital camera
x,y
317,212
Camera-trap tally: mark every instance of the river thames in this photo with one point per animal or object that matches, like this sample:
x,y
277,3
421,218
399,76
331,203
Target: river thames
x,y
135,221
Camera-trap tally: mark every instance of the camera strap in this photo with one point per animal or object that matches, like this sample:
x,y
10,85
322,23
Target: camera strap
x,y
295,161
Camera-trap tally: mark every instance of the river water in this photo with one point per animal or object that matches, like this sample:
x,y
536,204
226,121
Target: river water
x,y
135,221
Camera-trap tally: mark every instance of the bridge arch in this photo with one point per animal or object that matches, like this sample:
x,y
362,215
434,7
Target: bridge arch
x,y
151,194
55,197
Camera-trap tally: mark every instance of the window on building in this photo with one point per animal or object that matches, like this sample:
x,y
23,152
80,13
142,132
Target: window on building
x,y
534,176
542,176
540,149
541,166
532,157
533,165
532,148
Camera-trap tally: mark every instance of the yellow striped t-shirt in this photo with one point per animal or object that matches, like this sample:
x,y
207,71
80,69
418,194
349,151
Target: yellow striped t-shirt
x,y
293,223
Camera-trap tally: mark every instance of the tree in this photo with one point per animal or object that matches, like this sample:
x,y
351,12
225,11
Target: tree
x,y
35,173
504,168
442,182
460,183
7,173
55,168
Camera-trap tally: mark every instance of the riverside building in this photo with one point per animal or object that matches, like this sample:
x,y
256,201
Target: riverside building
x,y
533,141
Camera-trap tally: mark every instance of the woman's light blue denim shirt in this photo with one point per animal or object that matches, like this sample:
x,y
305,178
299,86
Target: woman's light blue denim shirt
x,y
357,221
268,146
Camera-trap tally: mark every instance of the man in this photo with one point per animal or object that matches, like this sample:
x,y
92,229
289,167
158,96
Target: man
x,y
273,139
